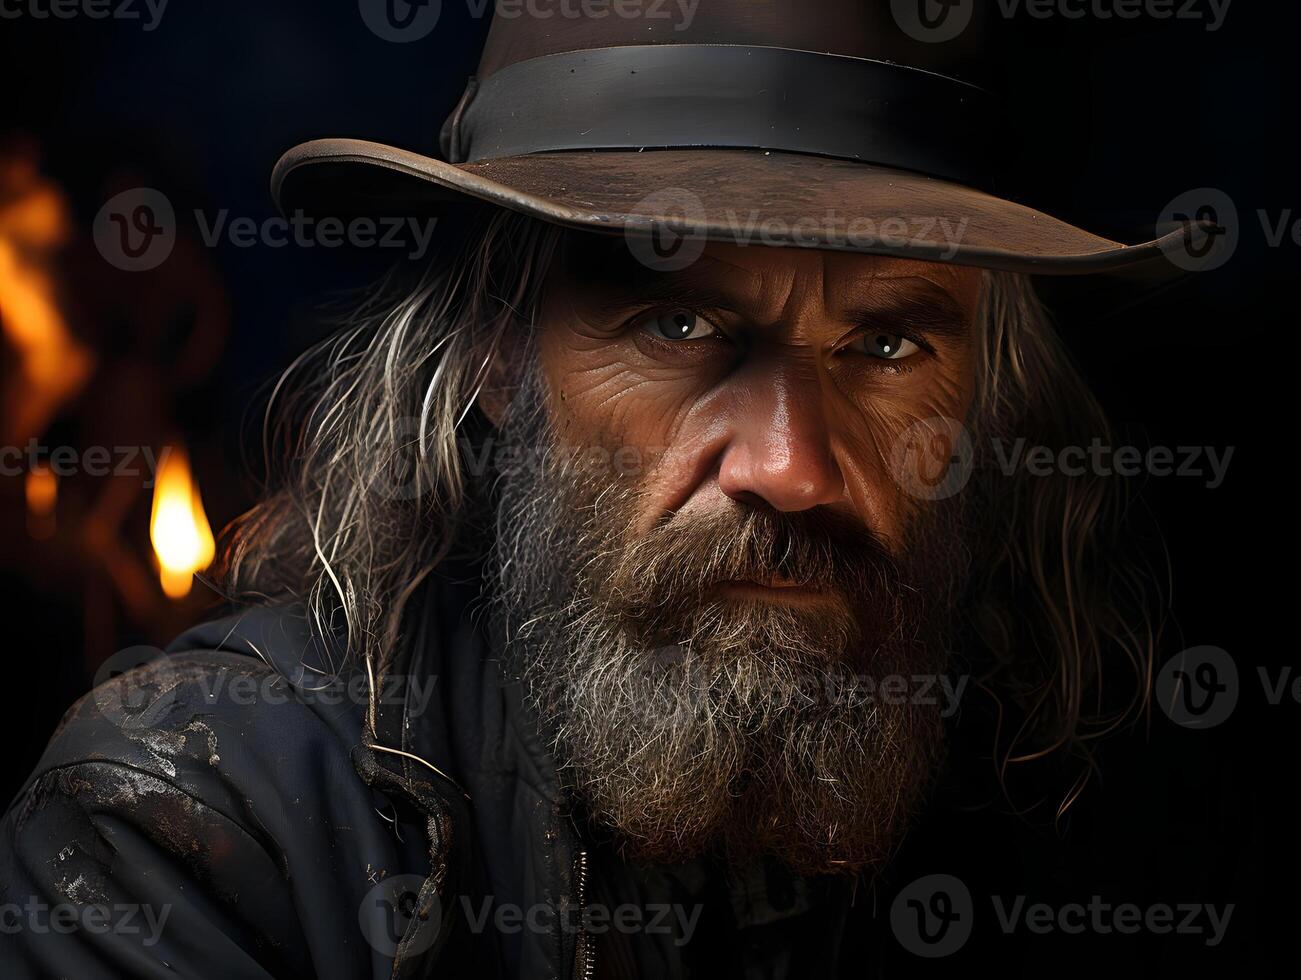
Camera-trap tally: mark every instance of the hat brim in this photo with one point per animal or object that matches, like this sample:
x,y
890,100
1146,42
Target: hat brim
x,y
729,195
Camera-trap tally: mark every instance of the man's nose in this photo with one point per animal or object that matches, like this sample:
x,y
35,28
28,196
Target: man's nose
x,y
780,448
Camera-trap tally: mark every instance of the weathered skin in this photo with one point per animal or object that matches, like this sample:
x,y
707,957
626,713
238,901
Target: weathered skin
x,y
778,407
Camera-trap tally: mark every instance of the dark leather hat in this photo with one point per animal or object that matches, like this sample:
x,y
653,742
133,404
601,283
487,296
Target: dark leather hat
x,y
841,124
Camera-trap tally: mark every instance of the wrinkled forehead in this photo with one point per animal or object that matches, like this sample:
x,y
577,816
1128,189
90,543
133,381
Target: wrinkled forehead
x,y
763,280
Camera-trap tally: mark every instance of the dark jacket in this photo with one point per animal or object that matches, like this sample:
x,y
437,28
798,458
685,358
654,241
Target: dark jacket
x,y
221,813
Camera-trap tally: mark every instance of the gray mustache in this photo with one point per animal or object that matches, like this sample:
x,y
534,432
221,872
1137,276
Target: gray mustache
x,y
818,548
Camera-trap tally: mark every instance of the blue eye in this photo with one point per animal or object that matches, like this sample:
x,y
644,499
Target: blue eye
x,y
886,346
680,325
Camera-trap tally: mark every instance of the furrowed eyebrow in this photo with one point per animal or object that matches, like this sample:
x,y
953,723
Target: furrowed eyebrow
x,y
934,314
613,281
659,290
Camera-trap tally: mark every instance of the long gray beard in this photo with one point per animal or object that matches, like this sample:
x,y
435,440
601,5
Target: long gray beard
x,y
686,724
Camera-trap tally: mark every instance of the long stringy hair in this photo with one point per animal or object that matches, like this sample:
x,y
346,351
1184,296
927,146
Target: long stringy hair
x,y
370,480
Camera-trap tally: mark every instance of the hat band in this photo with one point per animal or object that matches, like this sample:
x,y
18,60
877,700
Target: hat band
x,y
666,96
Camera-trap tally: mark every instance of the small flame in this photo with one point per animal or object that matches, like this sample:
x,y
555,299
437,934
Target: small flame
x,y
178,527
42,488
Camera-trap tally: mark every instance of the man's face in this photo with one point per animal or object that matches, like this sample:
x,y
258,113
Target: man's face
x,y
706,566
778,378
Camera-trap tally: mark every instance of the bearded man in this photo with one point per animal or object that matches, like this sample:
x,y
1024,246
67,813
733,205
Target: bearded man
x,y
605,572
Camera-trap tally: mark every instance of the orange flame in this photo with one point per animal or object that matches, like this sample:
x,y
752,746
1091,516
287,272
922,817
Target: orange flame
x,y
178,527
42,488
51,365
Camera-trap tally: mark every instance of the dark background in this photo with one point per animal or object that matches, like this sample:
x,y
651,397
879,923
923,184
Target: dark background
x,y
1115,118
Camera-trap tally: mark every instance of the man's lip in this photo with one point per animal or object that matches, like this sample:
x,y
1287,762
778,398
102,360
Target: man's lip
x,y
774,589
775,582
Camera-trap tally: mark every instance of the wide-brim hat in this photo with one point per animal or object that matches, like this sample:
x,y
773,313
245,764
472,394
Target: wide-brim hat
x,y
834,124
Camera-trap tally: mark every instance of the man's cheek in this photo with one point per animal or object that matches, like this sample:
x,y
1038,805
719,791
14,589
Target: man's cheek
x,y
863,457
892,448
622,423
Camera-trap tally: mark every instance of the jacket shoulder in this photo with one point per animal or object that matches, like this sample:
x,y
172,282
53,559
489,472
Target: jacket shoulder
x,y
212,783
231,698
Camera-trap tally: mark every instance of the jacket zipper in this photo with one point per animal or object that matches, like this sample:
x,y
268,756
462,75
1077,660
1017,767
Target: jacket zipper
x,y
584,954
